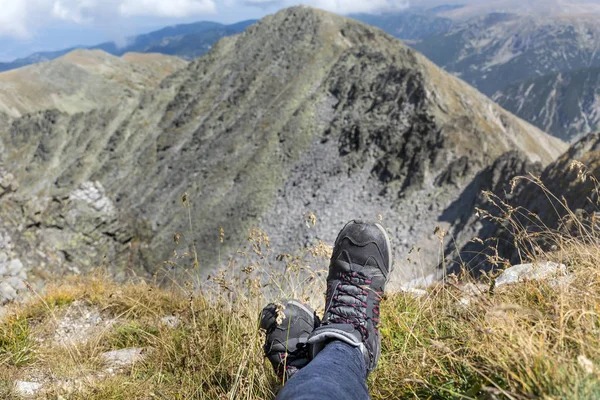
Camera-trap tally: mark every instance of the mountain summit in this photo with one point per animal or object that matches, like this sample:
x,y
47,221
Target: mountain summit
x,y
304,112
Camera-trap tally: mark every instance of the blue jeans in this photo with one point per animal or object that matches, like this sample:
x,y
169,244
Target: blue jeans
x,y
338,372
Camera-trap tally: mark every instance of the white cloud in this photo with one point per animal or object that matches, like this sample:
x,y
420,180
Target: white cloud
x,y
79,11
22,18
167,8
19,18
338,6
14,17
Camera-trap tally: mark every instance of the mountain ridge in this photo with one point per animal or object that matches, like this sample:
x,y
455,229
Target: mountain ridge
x,y
82,80
474,8
200,36
545,206
305,111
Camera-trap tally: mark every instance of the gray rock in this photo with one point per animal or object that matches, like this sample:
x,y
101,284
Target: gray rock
x,y
16,282
472,289
541,271
8,183
170,321
471,292
25,388
123,357
7,292
94,194
78,324
12,280
563,281
15,267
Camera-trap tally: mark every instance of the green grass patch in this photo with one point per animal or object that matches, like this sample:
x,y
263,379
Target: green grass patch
x,y
130,334
17,348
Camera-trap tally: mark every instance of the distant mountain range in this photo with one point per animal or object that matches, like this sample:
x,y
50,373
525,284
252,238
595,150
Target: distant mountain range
x,y
409,26
466,9
187,41
497,53
497,50
566,104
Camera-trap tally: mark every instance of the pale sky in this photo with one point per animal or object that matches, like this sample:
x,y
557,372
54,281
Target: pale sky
x,y
28,26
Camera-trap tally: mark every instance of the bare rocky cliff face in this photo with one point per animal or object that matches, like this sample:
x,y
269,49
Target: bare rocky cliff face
x,y
304,112
566,188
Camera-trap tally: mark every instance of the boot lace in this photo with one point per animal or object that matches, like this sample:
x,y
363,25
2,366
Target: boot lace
x,y
352,291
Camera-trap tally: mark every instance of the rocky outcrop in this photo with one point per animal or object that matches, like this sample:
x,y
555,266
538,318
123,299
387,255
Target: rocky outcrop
x,y
304,112
571,180
543,210
12,271
481,237
44,236
524,272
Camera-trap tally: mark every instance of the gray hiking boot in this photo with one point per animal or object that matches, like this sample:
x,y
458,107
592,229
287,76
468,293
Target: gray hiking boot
x,y
358,273
288,326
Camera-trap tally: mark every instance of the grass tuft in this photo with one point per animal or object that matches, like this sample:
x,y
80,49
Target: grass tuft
x,y
17,347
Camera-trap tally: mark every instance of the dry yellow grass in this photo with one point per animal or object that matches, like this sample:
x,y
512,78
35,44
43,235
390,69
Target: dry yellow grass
x,y
524,341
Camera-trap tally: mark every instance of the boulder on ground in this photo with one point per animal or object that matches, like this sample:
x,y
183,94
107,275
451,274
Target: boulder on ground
x,y
537,271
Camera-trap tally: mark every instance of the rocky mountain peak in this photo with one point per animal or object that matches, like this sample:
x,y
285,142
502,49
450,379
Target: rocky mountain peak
x,y
304,112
